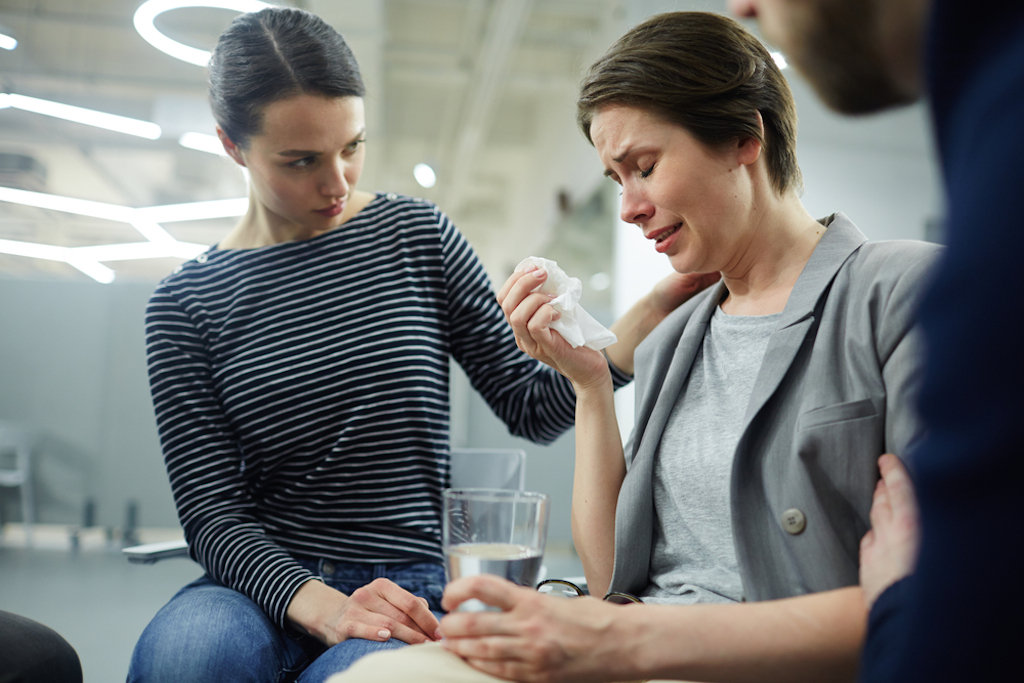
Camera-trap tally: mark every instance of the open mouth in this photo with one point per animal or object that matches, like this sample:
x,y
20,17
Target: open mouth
x,y
661,235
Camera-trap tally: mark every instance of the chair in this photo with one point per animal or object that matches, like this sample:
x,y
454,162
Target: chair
x,y
18,441
491,468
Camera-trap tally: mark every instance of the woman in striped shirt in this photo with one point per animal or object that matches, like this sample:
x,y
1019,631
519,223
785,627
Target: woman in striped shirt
x,y
299,373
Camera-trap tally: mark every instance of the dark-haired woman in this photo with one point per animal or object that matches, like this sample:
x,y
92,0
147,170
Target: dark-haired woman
x,y
763,404
299,372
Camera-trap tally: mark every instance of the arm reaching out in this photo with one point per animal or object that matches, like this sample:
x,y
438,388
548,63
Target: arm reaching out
x,y
542,638
636,323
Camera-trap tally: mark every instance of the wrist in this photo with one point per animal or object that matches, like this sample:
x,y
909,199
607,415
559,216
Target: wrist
x,y
311,608
594,386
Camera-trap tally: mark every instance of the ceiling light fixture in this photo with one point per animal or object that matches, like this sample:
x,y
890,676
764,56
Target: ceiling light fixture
x,y
424,175
780,60
149,10
7,42
134,251
202,142
90,117
84,207
97,271
146,220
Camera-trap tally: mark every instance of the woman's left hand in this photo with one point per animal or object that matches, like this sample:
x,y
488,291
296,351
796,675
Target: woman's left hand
x,y
535,637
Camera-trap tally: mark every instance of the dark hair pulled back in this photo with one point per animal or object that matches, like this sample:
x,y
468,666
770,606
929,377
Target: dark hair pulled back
x,y
273,54
706,73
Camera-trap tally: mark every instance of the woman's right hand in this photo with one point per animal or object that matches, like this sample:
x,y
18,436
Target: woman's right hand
x,y
377,611
530,315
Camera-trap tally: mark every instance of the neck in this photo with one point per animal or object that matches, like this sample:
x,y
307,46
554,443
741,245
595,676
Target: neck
x,y
260,227
763,273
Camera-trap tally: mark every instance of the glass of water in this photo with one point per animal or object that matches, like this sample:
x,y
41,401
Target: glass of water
x,y
494,531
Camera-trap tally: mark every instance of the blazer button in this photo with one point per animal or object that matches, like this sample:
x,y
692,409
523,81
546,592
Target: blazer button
x,y
793,521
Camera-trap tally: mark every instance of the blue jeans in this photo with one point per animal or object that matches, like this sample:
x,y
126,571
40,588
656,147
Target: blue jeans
x,y
211,633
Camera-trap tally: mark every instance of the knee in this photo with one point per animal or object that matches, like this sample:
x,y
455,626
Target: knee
x,y
186,644
34,652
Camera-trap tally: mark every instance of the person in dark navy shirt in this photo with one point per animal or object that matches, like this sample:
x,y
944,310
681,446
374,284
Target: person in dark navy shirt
x,y
954,617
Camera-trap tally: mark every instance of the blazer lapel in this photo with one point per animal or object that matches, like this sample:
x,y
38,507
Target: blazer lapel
x,y
634,518
837,244
673,368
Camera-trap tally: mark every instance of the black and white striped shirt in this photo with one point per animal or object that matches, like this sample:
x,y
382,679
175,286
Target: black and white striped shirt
x,y
301,393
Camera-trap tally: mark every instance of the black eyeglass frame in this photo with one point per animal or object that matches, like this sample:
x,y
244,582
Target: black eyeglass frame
x,y
615,597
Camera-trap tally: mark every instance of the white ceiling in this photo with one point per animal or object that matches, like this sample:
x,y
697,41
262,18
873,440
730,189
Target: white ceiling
x,y
483,90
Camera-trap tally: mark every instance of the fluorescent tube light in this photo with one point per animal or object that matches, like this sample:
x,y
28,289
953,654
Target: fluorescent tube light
x,y
202,142
7,42
148,12
196,211
95,270
780,60
84,207
43,251
137,250
90,117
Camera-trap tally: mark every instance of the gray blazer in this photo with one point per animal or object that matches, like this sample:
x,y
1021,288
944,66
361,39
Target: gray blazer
x,y
835,391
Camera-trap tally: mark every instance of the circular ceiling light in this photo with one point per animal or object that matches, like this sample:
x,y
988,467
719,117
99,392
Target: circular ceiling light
x,y
424,175
149,10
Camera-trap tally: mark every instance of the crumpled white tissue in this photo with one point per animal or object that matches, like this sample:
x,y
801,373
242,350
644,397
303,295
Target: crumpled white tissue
x,y
576,325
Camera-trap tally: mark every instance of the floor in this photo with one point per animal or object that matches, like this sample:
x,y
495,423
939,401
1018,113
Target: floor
x,y
100,602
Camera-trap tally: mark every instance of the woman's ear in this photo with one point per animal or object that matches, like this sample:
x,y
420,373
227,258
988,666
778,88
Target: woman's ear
x,y
231,148
749,148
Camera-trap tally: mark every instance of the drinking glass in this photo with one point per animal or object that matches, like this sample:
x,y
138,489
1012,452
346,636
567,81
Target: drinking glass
x,y
494,531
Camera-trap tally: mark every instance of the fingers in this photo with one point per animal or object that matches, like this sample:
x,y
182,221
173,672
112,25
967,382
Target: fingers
x,y
521,302
518,286
384,607
881,511
899,487
487,588
413,611
514,278
867,541
486,647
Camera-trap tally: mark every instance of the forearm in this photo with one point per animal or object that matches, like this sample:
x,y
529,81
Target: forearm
x,y
599,471
808,638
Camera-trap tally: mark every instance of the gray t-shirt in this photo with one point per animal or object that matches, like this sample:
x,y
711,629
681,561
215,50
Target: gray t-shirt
x,y
694,558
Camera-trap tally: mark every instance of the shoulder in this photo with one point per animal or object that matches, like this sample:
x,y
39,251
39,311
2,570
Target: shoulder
x,y
392,206
894,262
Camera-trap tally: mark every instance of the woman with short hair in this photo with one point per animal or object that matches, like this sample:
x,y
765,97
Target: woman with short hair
x,y
762,404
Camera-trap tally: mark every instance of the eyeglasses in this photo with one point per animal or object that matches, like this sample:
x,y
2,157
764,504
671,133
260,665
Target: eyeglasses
x,y
567,589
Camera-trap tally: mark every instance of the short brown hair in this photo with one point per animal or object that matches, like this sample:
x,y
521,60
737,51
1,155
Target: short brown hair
x,y
703,72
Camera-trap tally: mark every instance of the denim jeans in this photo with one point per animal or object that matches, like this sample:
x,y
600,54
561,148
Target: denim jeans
x,y
211,633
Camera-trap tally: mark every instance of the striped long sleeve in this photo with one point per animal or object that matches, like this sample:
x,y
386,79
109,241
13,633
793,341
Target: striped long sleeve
x,y
301,393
